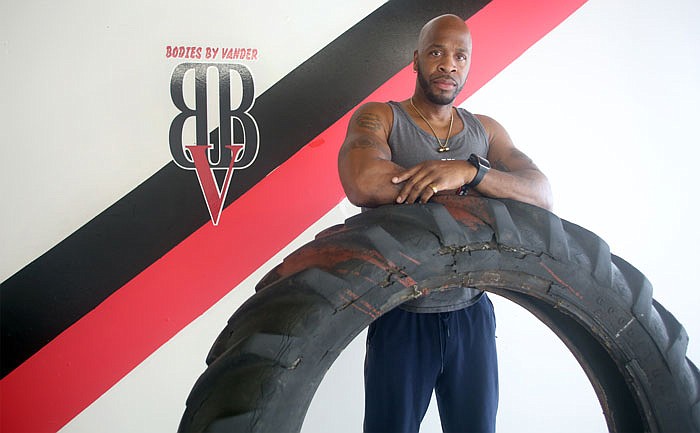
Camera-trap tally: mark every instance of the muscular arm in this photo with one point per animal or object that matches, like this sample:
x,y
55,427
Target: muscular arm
x,y
364,161
514,175
370,178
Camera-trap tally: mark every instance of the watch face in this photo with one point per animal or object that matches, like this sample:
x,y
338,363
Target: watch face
x,y
482,167
477,161
483,161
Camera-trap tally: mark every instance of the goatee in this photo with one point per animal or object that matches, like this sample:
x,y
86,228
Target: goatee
x,y
436,98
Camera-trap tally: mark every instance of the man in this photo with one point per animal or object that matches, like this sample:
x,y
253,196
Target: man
x,y
407,152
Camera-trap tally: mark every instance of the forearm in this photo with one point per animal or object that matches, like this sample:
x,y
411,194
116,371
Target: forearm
x,y
529,186
372,186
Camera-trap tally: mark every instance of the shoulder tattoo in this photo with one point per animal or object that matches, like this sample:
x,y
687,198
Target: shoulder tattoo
x,y
369,121
363,143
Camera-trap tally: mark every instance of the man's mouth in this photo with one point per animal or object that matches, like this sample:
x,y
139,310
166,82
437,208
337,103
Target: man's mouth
x,y
445,83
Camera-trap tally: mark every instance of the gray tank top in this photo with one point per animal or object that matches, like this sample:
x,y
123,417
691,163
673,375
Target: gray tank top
x,y
411,145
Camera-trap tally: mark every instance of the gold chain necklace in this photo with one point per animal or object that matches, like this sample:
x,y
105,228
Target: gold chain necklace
x,y
443,146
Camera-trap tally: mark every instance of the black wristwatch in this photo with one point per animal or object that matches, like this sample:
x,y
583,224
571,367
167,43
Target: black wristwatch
x,y
482,167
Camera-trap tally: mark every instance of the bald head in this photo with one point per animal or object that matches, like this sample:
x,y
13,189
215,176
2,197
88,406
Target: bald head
x,y
449,23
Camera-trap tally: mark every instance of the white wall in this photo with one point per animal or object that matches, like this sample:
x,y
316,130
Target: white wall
x,y
87,98
606,105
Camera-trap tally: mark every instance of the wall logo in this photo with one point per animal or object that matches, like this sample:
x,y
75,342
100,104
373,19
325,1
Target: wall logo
x,y
209,135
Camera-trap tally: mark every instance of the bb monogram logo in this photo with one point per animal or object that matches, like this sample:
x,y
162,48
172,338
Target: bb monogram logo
x,y
231,145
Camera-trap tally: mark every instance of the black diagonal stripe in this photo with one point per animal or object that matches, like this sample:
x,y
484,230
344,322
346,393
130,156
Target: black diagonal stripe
x,y
58,288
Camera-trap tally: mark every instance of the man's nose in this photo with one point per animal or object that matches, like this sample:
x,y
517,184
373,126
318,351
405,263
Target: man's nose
x,y
447,65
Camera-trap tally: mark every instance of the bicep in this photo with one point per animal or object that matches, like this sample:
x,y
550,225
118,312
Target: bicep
x,y
366,141
364,161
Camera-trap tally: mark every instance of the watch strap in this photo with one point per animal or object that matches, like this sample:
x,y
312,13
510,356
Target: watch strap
x,y
481,171
482,166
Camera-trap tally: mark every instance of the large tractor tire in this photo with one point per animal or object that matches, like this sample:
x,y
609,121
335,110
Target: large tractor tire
x,y
267,363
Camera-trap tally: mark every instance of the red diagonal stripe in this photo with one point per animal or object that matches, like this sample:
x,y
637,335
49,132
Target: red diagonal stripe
x,y
83,362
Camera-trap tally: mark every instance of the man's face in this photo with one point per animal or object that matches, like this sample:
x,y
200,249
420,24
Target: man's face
x,y
442,62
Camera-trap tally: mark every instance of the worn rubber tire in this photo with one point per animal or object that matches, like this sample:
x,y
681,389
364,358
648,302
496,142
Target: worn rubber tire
x,y
265,366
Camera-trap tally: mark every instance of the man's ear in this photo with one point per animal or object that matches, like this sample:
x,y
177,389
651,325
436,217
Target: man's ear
x,y
415,61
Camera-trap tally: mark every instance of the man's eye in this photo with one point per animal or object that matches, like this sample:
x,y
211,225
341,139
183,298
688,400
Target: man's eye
x,y
435,53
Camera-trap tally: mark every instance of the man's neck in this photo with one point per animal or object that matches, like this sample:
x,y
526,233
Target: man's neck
x,y
431,110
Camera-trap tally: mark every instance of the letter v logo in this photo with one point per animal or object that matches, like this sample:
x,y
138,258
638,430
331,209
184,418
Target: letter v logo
x,y
214,196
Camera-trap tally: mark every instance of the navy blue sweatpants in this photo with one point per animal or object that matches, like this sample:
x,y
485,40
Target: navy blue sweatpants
x,y
410,354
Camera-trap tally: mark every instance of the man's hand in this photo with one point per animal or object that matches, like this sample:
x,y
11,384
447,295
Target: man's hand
x,y
429,178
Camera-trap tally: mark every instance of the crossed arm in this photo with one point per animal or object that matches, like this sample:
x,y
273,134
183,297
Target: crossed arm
x,y
370,178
